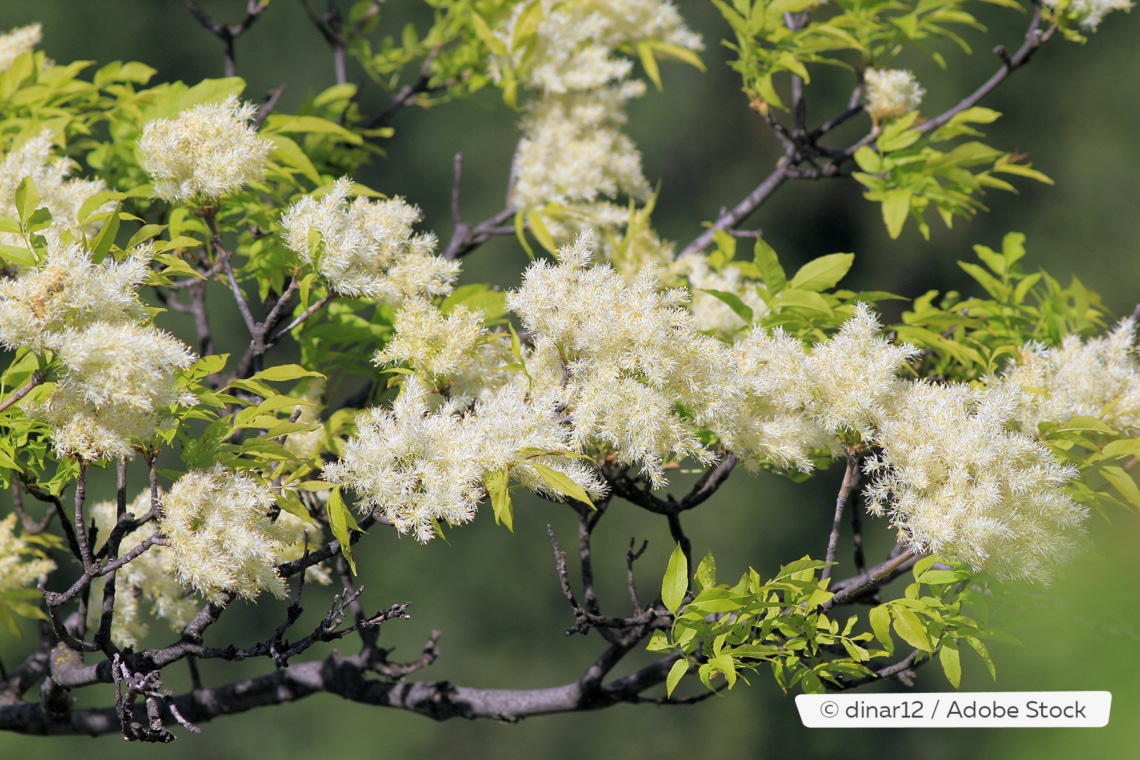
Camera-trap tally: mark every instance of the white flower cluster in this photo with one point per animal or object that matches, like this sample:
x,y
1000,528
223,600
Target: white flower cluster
x,y
432,345
1089,13
798,405
367,248
418,466
221,536
891,93
208,152
958,482
626,356
1098,378
118,371
20,565
60,194
573,152
17,42
619,370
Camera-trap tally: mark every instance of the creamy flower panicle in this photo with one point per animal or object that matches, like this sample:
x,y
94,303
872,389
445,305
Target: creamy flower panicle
x,y
118,372
60,193
891,93
1089,13
957,482
18,41
627,355
420,466
1099,377
573,152
206,153
221,536
367,248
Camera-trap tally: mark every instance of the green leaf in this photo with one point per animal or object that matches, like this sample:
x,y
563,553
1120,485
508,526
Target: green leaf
x,y
540,232
290,503
561,483
869,160
803,299
309,124
211,91
822,273
27,199
146,232
676,580
910,629
940,577
476,297
496,484
284,372
766,260
979,646
649,63
676,673
896,206
9,622
1119,479
17,255
950,661
880,618
706,572
739,308
103,242
290,154
339,520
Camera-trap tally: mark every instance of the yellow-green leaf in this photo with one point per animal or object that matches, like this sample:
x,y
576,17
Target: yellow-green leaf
x,y
676,580
340,520
561,483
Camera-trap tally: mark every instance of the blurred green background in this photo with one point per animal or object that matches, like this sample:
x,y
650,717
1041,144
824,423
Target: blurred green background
x,y
495,595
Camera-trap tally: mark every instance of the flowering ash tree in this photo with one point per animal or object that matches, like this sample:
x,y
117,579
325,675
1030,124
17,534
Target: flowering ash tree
x,y
373,395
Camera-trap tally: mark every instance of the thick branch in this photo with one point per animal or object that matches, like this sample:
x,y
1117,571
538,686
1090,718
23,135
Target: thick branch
x,y
348,677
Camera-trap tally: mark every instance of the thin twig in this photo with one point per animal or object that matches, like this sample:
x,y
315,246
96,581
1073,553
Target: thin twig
x,y
36,378
850,483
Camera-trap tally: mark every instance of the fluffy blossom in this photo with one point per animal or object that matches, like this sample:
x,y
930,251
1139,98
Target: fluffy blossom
x,y
891,93
573,150
209,151
17,42
1089,13
626,355
69,291
367,248
1098,378
60,194
20,564
431,344
957,482
853,376
577,41
419,466
220,534
117,373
